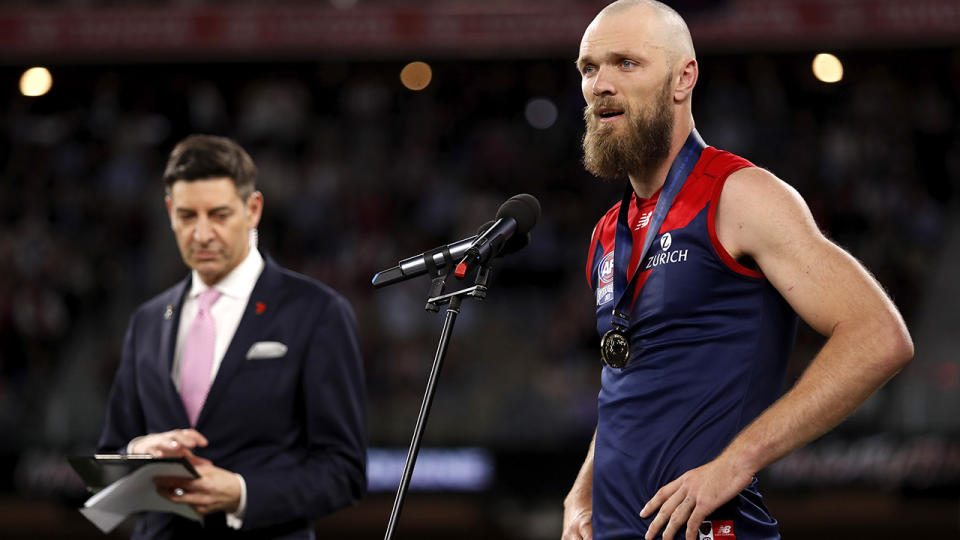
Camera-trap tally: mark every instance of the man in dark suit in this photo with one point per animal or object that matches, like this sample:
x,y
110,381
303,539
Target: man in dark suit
x,y
251,371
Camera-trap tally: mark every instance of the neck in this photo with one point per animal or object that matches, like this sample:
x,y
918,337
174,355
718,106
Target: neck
x,y
646,184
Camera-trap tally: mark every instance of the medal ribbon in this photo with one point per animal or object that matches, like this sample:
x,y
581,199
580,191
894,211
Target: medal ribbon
x,y
623,241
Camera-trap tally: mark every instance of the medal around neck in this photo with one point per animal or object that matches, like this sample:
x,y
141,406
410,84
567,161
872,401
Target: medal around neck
x,y
614,345
615,349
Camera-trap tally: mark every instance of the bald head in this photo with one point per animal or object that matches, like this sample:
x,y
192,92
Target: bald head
x,y
669,30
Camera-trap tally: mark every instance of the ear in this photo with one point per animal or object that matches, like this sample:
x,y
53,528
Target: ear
x,y
686,80
254,206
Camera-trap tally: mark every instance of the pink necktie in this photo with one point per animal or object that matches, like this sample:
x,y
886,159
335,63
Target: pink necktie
x,y
197,359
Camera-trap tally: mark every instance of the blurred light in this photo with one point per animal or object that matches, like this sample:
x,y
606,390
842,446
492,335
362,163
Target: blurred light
x,y
827,68
438,469
541,113
35,81
343,4
416,75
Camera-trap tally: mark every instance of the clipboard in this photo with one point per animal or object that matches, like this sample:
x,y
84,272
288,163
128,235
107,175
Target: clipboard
x,y
100,470
122,485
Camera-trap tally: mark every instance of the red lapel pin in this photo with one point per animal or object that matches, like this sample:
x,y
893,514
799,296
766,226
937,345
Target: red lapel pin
x,y
261,307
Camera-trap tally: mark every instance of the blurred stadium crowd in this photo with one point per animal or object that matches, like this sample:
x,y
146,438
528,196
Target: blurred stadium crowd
x,y
359,172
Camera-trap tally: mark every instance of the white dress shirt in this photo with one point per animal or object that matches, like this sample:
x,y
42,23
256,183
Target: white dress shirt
x,y
235,289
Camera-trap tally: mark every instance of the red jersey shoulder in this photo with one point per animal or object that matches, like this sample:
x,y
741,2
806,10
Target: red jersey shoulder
x,y
604,233
719,169
606,228
720,163
699,187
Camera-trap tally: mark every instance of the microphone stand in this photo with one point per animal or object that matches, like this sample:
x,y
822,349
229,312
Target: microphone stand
x,y
435,299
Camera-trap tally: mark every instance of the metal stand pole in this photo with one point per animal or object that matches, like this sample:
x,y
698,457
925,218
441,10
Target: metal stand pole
x,y
452,311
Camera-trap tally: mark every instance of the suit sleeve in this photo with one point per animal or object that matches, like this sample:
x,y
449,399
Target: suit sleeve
x,y
333,474
124,419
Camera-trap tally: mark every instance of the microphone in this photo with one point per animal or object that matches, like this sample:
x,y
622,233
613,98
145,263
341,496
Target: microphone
x,y
514,244
515,217
447,254
421,264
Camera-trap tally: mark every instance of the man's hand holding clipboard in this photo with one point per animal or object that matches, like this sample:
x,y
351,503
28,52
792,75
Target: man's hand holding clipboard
x,y
124,484
214,490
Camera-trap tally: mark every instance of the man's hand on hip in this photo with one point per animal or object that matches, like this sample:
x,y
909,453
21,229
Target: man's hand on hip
x,y
688,500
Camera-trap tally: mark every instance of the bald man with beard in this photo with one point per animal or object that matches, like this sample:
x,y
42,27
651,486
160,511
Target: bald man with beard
x,y
699,274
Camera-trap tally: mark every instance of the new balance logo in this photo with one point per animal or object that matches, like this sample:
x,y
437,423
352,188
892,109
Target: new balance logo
x,y
644,220
717,530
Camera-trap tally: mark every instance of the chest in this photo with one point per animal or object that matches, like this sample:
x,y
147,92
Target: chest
x,y
679,274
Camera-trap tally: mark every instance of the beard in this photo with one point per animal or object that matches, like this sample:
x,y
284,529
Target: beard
x,y
638,151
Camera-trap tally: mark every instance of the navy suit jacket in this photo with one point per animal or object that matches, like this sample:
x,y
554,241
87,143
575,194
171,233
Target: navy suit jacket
x,y
294,426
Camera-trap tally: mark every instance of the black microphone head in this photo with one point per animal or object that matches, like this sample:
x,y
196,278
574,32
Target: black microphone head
x,y
524,208
514,244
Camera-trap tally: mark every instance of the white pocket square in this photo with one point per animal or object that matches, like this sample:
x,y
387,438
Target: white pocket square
x,y
266,349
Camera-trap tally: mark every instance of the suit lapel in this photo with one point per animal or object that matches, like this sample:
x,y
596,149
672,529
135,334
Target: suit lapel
x,y
249,331
168,345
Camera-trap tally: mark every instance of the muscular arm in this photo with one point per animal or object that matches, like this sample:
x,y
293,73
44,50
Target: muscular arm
x,y
761,217
868,340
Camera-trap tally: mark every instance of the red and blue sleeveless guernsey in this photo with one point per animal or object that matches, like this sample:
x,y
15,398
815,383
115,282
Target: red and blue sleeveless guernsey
x,y
709,341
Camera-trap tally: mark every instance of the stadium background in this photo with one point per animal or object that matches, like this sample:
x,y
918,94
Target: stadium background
x,y
359,171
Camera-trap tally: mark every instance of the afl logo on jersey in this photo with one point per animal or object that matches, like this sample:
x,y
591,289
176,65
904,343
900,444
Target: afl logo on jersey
x,y
605,271
605,279
665,241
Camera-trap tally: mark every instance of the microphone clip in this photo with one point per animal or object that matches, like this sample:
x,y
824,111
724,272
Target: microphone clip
x,y
438,281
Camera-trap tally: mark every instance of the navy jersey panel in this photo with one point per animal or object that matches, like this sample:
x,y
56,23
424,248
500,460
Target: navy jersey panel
x,y
709,344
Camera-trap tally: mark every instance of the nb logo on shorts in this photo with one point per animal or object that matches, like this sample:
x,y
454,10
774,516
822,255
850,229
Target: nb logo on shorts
x,y
716,530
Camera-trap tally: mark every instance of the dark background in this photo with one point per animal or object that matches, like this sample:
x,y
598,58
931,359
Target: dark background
x,y
359,172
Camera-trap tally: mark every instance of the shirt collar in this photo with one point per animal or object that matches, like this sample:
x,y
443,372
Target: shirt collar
x,y
238,283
